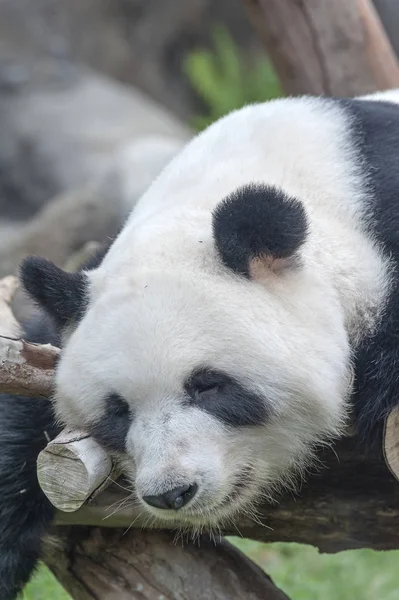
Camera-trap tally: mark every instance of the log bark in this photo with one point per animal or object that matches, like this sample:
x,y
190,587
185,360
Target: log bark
x,y
25,368
150,565
334,48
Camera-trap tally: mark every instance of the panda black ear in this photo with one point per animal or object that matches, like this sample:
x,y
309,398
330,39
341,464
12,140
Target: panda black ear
x,y
259,228
60,294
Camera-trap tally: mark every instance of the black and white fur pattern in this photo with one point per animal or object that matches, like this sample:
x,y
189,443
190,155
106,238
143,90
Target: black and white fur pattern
x,y
214,345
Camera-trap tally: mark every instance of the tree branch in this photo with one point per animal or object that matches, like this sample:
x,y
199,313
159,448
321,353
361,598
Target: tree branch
x,y
317,47
27,369
115,564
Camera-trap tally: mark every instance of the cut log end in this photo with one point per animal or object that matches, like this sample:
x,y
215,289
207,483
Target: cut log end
x,y
391,442
72,469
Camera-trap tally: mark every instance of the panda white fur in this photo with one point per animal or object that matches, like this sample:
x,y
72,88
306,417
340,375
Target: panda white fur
x,y
213,347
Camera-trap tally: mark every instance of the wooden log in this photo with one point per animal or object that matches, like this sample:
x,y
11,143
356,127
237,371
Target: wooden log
x,y
27,369
119,565
73,468
335,48
391,442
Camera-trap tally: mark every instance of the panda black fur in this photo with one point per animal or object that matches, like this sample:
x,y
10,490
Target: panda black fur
x,y
214,344
25,513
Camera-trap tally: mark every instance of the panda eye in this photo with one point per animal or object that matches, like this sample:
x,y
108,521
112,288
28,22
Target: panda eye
x,y
204,382
207,388
224,397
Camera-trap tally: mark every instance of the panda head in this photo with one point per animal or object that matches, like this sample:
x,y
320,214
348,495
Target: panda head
x,y
211,356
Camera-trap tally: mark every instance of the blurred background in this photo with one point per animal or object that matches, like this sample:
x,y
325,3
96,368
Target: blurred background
x,y
96,96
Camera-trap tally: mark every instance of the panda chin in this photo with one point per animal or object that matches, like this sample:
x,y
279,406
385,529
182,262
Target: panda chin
x,y
202,518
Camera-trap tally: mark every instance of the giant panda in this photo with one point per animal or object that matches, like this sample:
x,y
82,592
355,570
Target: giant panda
x,y
248,307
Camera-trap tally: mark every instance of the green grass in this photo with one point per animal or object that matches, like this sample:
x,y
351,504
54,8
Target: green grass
x,y
44,586
304,574
300,571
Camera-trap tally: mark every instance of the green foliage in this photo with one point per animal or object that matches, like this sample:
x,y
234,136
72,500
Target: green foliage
x,y
225,80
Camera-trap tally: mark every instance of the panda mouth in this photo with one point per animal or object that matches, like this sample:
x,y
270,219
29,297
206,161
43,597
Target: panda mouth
x,y
240,493
202,511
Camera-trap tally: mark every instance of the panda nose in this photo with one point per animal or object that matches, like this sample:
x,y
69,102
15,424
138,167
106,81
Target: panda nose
x,y
173,499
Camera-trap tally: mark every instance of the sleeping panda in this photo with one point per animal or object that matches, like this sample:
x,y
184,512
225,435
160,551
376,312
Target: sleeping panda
x,y
213,345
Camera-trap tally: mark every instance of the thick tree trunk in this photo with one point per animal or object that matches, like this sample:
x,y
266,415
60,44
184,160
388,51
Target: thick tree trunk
x,y
337,48
95,564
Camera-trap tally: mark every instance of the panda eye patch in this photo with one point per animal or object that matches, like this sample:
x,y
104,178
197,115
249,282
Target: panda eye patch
x,y
225,398
111,429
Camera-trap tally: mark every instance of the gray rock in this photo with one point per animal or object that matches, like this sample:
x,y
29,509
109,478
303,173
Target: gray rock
x,y
58,137
94,212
